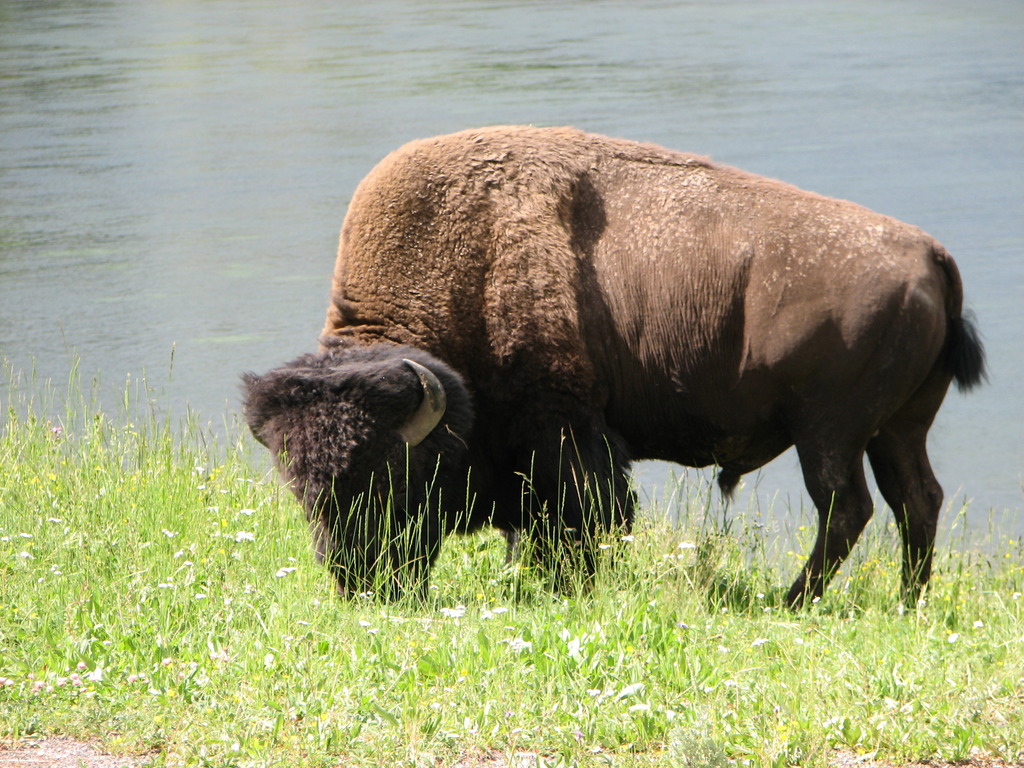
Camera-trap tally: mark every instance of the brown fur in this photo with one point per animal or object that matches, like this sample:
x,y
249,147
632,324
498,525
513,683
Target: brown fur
x,y
605,300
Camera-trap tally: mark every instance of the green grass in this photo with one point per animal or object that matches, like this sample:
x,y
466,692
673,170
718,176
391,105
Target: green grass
x,y
157,593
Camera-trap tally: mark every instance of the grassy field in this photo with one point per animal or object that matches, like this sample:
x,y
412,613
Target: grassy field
x,y
158,594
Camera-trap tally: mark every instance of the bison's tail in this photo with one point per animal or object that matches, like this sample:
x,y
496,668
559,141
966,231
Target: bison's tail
x,y
965,354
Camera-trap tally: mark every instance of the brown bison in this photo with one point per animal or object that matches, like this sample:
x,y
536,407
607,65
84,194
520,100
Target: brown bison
x,y
518,313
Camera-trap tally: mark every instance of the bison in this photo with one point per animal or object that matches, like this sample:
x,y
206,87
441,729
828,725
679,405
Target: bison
x,y
517,313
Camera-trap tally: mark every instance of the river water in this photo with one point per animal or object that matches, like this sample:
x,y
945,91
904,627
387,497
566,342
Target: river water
x,y
173,175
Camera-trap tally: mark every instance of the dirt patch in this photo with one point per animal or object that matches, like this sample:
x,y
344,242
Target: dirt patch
x,y
70,753
492,759
842,760
850,760
65,753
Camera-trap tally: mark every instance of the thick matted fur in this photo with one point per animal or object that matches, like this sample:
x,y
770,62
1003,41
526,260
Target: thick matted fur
x,y
599,301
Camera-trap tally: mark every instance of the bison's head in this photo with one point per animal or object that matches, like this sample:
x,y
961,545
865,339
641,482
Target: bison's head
x,y
372,442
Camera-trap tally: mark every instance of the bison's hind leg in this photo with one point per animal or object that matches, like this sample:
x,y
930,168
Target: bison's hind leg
x,y
899,460
834,476
904,474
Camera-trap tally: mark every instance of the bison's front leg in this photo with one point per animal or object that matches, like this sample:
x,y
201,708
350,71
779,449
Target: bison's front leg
x,y
575,490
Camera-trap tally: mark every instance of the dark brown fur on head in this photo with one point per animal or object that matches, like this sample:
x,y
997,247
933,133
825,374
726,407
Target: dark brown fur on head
x,y
377,507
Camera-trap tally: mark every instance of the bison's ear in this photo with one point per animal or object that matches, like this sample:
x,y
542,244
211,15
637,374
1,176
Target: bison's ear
x,y
430,410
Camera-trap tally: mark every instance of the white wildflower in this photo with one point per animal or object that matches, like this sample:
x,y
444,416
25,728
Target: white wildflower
x,y
630,690
519,645
221,656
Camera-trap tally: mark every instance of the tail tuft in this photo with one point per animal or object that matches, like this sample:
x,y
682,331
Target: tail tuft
x,y
965,354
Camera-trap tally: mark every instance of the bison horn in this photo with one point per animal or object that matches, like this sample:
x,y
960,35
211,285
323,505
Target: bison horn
x,y
421,423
